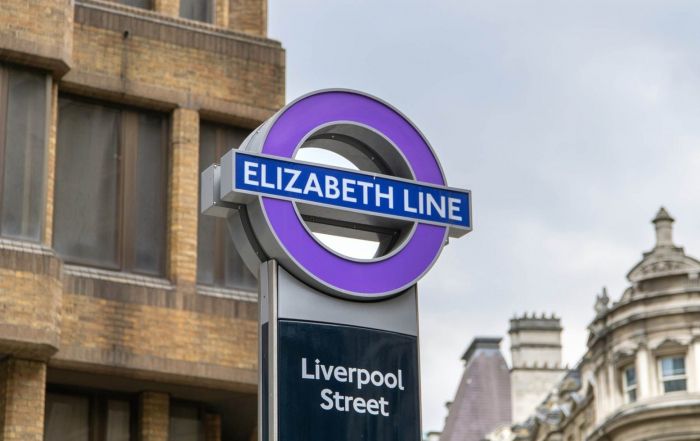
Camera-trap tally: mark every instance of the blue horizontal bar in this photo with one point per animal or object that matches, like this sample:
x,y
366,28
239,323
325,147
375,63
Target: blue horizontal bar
x,y
349,190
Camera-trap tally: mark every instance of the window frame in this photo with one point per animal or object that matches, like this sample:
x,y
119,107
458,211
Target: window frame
x,y
627,388
4,114
125,222
98,406
663,379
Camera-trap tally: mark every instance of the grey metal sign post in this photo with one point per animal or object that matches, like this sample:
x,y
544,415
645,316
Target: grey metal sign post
x,y
338,346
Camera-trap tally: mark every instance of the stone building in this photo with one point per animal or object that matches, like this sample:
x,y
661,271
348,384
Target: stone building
x,y
535,347
490,395
124,315
640,377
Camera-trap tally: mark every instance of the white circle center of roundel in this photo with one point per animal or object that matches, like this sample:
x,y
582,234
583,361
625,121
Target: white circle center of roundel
x,y
346,145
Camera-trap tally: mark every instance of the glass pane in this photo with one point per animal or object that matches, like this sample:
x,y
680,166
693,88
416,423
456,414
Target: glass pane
x,y
66,418
632,396
235,138
631,376
674,385
206,226
673,366
200,10
25,141
237,274
184,422
118,420
149,247
145,4
87,165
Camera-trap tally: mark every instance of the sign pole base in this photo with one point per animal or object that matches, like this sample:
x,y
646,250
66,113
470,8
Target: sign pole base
x,y
333,369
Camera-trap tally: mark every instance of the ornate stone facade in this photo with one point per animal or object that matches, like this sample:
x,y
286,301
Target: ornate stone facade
x,y
640,377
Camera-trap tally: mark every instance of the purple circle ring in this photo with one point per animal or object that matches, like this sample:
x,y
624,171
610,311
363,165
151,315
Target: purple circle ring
x,y
370,280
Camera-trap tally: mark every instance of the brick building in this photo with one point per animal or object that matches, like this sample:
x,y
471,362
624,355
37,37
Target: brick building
x,y
124,315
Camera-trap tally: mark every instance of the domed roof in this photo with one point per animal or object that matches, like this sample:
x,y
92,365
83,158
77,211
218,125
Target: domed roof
x,y
665,259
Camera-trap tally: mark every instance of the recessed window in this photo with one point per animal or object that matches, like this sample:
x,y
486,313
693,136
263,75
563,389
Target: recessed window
x,y
89,416
630,384
673,374
143,4
111,188
200,10
185,422
24,100
218,261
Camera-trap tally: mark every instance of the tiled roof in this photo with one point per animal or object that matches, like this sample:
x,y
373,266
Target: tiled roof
x,y
483,397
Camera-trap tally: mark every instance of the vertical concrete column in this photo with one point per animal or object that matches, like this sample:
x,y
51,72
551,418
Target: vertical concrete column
x,y
613,392
694,367
601,395
167,7
643,374
154,416
184,196
212,427
51,165
22,396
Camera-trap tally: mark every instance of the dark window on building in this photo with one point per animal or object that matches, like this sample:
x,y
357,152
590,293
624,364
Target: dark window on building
x,y
673,375
218,261
144,4
111,187
200,10
89,416
630,384
185,422
24,102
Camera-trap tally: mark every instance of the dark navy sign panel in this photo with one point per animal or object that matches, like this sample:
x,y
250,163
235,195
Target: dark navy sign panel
x,y
345,189
344,383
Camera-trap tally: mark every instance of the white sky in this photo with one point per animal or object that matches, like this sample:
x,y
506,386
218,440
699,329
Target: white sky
x,y
571,122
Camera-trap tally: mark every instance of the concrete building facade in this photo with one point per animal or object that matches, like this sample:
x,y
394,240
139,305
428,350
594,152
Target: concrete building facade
x,y
124,314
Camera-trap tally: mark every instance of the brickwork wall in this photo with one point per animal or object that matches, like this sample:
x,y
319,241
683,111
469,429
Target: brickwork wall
x,y
37,32
167,7
239,77
248,16
165,333
51,166
157,330
158,334
168,66
30,300
154,416
22,395
221,13
184,178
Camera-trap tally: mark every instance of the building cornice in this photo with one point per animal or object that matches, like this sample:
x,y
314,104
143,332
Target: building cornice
x,y
644,411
